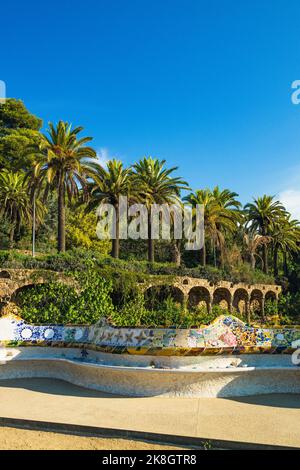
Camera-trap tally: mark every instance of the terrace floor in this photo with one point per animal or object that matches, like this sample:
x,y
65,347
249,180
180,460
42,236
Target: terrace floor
x,y
265,419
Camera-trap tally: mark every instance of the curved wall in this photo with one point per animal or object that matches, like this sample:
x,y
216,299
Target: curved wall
x,y
223,376
225,334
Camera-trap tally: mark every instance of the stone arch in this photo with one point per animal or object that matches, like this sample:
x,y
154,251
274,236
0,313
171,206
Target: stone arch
x,y
240,300
222,297
25,287
5,275
270,295
198,296
154,295
256,301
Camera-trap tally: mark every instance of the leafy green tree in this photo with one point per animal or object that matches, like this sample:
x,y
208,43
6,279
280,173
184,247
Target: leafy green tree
x,y
14,115
62,160
18,129
81,231
156,186
262,214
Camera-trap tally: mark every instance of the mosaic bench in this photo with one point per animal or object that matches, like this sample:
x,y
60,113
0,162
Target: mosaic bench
x,y
226,334
225,358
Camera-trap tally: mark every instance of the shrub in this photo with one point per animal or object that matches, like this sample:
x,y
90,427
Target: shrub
x,y
56,302
131,314
80,259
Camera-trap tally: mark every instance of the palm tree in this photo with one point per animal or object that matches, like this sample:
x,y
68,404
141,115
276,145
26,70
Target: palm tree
x,y
108,185
15,206
217,219
286,238
62,160
35,185
253,241
156,186
262,215
226,199
230,207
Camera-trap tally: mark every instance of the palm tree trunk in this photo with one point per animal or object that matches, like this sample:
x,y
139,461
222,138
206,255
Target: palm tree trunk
x,y
33,224
265,254
253,260
150,240
265,259
116,241
176,254
214,253
285,266
11,236
275,261
222,257
61,235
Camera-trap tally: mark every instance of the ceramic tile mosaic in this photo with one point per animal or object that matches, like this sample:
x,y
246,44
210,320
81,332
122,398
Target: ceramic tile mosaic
x,y
224,335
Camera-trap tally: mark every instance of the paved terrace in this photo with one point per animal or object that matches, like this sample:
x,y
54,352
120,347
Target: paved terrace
x,y
266,419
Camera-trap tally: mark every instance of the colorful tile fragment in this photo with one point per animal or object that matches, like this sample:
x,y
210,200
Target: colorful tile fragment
x,y
224,335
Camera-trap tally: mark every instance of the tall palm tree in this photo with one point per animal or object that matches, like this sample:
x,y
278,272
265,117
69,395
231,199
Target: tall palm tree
x,y
35,185
15,206
226,199
108,185
157,186
262,214
217,218
286,238
231,208
62,160
253,241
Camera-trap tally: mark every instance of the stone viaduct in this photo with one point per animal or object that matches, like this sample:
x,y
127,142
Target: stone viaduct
x,y
244,298
11,280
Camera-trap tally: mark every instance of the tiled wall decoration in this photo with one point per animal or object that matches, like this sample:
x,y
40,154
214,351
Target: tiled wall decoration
x,y
226,334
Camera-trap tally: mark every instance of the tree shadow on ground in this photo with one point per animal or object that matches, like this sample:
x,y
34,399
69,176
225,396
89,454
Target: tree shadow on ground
x,y
277,400
55,387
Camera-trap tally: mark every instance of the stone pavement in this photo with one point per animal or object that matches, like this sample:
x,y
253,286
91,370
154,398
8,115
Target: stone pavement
x,y
265,419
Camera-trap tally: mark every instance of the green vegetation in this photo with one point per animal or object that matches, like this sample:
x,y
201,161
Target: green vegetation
x,y
156,186
56,302
54,182
118,300
107,186
60,159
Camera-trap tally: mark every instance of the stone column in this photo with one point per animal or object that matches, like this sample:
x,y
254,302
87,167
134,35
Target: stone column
x,y
263,307
209,305
185,300
248,311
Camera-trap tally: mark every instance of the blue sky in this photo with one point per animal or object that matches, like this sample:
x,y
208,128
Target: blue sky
x,y
204,84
